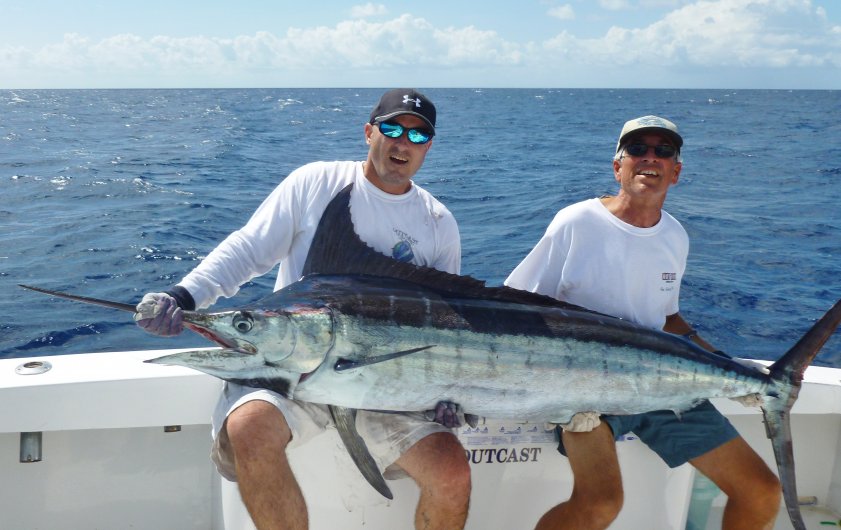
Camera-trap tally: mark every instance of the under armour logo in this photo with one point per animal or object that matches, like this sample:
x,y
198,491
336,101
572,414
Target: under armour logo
x,y
407,99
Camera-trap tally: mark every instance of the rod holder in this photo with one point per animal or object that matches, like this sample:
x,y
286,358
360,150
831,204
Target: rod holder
x,y
30,447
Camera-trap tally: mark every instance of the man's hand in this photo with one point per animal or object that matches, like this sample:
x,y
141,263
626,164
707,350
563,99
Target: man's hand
x,y
450,415
159,314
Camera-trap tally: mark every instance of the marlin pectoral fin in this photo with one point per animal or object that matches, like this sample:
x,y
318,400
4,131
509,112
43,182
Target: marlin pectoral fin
x,y
345,420
349,364
85,299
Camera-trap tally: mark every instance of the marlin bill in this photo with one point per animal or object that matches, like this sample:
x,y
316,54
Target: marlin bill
x,y
363,331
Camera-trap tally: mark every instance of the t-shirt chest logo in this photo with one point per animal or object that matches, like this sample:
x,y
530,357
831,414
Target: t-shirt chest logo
x,y
669,280
402,250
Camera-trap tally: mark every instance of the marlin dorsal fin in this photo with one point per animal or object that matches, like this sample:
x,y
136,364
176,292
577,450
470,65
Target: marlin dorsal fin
x,y
337,249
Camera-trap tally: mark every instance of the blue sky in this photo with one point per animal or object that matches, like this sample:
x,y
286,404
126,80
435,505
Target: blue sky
x,y
436,43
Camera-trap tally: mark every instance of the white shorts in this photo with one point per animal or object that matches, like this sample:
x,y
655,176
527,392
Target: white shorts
x,y
388,435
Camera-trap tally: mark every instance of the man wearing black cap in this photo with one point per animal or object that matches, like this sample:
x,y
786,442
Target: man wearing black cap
x,y
625,256
253,428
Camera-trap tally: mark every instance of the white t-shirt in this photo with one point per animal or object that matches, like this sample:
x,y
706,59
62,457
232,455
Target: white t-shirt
x,y
591,258
411,227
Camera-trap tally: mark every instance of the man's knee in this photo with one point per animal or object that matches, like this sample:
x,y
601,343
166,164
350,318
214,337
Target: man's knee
x,y
607,507
457,475
764,494
444,466
746,480
601,509
455,469
256,426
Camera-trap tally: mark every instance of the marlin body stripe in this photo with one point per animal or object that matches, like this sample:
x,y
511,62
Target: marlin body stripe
x,y
363,331
377,343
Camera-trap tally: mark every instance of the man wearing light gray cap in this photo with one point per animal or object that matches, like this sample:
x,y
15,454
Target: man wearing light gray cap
x,y
625,256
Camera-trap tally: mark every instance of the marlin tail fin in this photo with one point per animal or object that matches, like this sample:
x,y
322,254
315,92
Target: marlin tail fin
x,y
787,376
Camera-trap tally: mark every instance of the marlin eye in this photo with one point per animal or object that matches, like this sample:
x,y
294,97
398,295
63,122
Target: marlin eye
x,y
243,322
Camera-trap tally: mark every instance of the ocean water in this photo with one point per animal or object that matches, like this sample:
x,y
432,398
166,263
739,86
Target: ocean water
x,y
114,193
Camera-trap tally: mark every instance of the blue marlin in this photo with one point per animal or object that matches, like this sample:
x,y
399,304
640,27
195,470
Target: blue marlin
x,y
363,331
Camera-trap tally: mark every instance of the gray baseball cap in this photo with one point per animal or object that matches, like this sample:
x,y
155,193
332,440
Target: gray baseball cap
x,y
649,124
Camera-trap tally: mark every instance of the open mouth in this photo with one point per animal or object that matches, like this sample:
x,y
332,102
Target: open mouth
x,y
225,342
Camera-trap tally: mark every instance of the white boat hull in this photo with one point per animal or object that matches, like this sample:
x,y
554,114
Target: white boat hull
x,y
108,462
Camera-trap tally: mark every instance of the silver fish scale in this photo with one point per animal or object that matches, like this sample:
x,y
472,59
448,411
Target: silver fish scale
x,y
510,376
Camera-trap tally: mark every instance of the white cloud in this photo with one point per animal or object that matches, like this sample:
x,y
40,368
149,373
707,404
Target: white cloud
x,y
405,40
564,12
710,33
701,36
470,46
614,5
368,10
661,3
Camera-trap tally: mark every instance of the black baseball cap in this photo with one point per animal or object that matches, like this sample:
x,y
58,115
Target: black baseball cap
x,y
404,101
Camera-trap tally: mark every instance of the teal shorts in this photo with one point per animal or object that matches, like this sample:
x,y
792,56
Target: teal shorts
x,y
675,439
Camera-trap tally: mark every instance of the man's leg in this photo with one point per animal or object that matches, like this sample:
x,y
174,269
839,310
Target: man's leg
x,y
753,491
597,488
439,466
258,434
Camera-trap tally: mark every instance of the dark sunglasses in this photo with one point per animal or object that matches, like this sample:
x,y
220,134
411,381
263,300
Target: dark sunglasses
x,y
660,151
395,130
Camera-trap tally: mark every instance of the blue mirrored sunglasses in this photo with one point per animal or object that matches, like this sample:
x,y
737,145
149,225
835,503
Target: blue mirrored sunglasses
x,y
660,151
395,130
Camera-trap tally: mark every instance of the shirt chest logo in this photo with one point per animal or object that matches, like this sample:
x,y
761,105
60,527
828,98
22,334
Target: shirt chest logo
x,y
669,277
669,280
403,251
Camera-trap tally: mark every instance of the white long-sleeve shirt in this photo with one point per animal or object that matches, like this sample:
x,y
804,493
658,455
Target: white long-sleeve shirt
x,y
413,227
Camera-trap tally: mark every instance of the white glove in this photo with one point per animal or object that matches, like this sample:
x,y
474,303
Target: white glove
x,y
582,422
159,314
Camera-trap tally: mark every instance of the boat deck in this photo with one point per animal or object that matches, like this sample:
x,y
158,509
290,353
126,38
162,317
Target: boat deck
x,y
125,445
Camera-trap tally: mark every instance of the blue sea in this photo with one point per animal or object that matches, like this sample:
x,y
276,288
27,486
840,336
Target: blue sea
x,y
114,193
